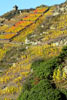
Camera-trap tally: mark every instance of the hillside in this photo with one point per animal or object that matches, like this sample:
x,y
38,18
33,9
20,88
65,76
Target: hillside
x,y
33,54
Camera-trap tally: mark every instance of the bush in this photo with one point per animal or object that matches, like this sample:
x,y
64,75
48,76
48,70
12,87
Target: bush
x,y
44,90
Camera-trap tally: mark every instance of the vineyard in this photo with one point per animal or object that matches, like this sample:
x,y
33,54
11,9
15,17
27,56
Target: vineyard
x,y
17,73
19,26
31,50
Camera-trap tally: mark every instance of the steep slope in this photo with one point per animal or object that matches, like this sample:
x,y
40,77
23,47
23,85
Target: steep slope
x,y
38,34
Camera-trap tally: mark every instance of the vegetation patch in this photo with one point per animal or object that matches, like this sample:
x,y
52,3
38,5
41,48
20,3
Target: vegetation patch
x,y
40,86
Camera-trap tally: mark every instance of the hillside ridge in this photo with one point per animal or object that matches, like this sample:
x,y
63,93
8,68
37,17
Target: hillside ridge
x,y
28,39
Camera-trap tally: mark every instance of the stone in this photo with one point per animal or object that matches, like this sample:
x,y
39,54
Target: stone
x,y
57,43
42,26
55,13
27,41
62,9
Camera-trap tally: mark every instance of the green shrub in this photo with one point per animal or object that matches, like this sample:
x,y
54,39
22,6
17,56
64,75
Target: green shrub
x,y
44,90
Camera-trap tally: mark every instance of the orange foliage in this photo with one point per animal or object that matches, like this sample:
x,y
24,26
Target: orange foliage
x,y
8,36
